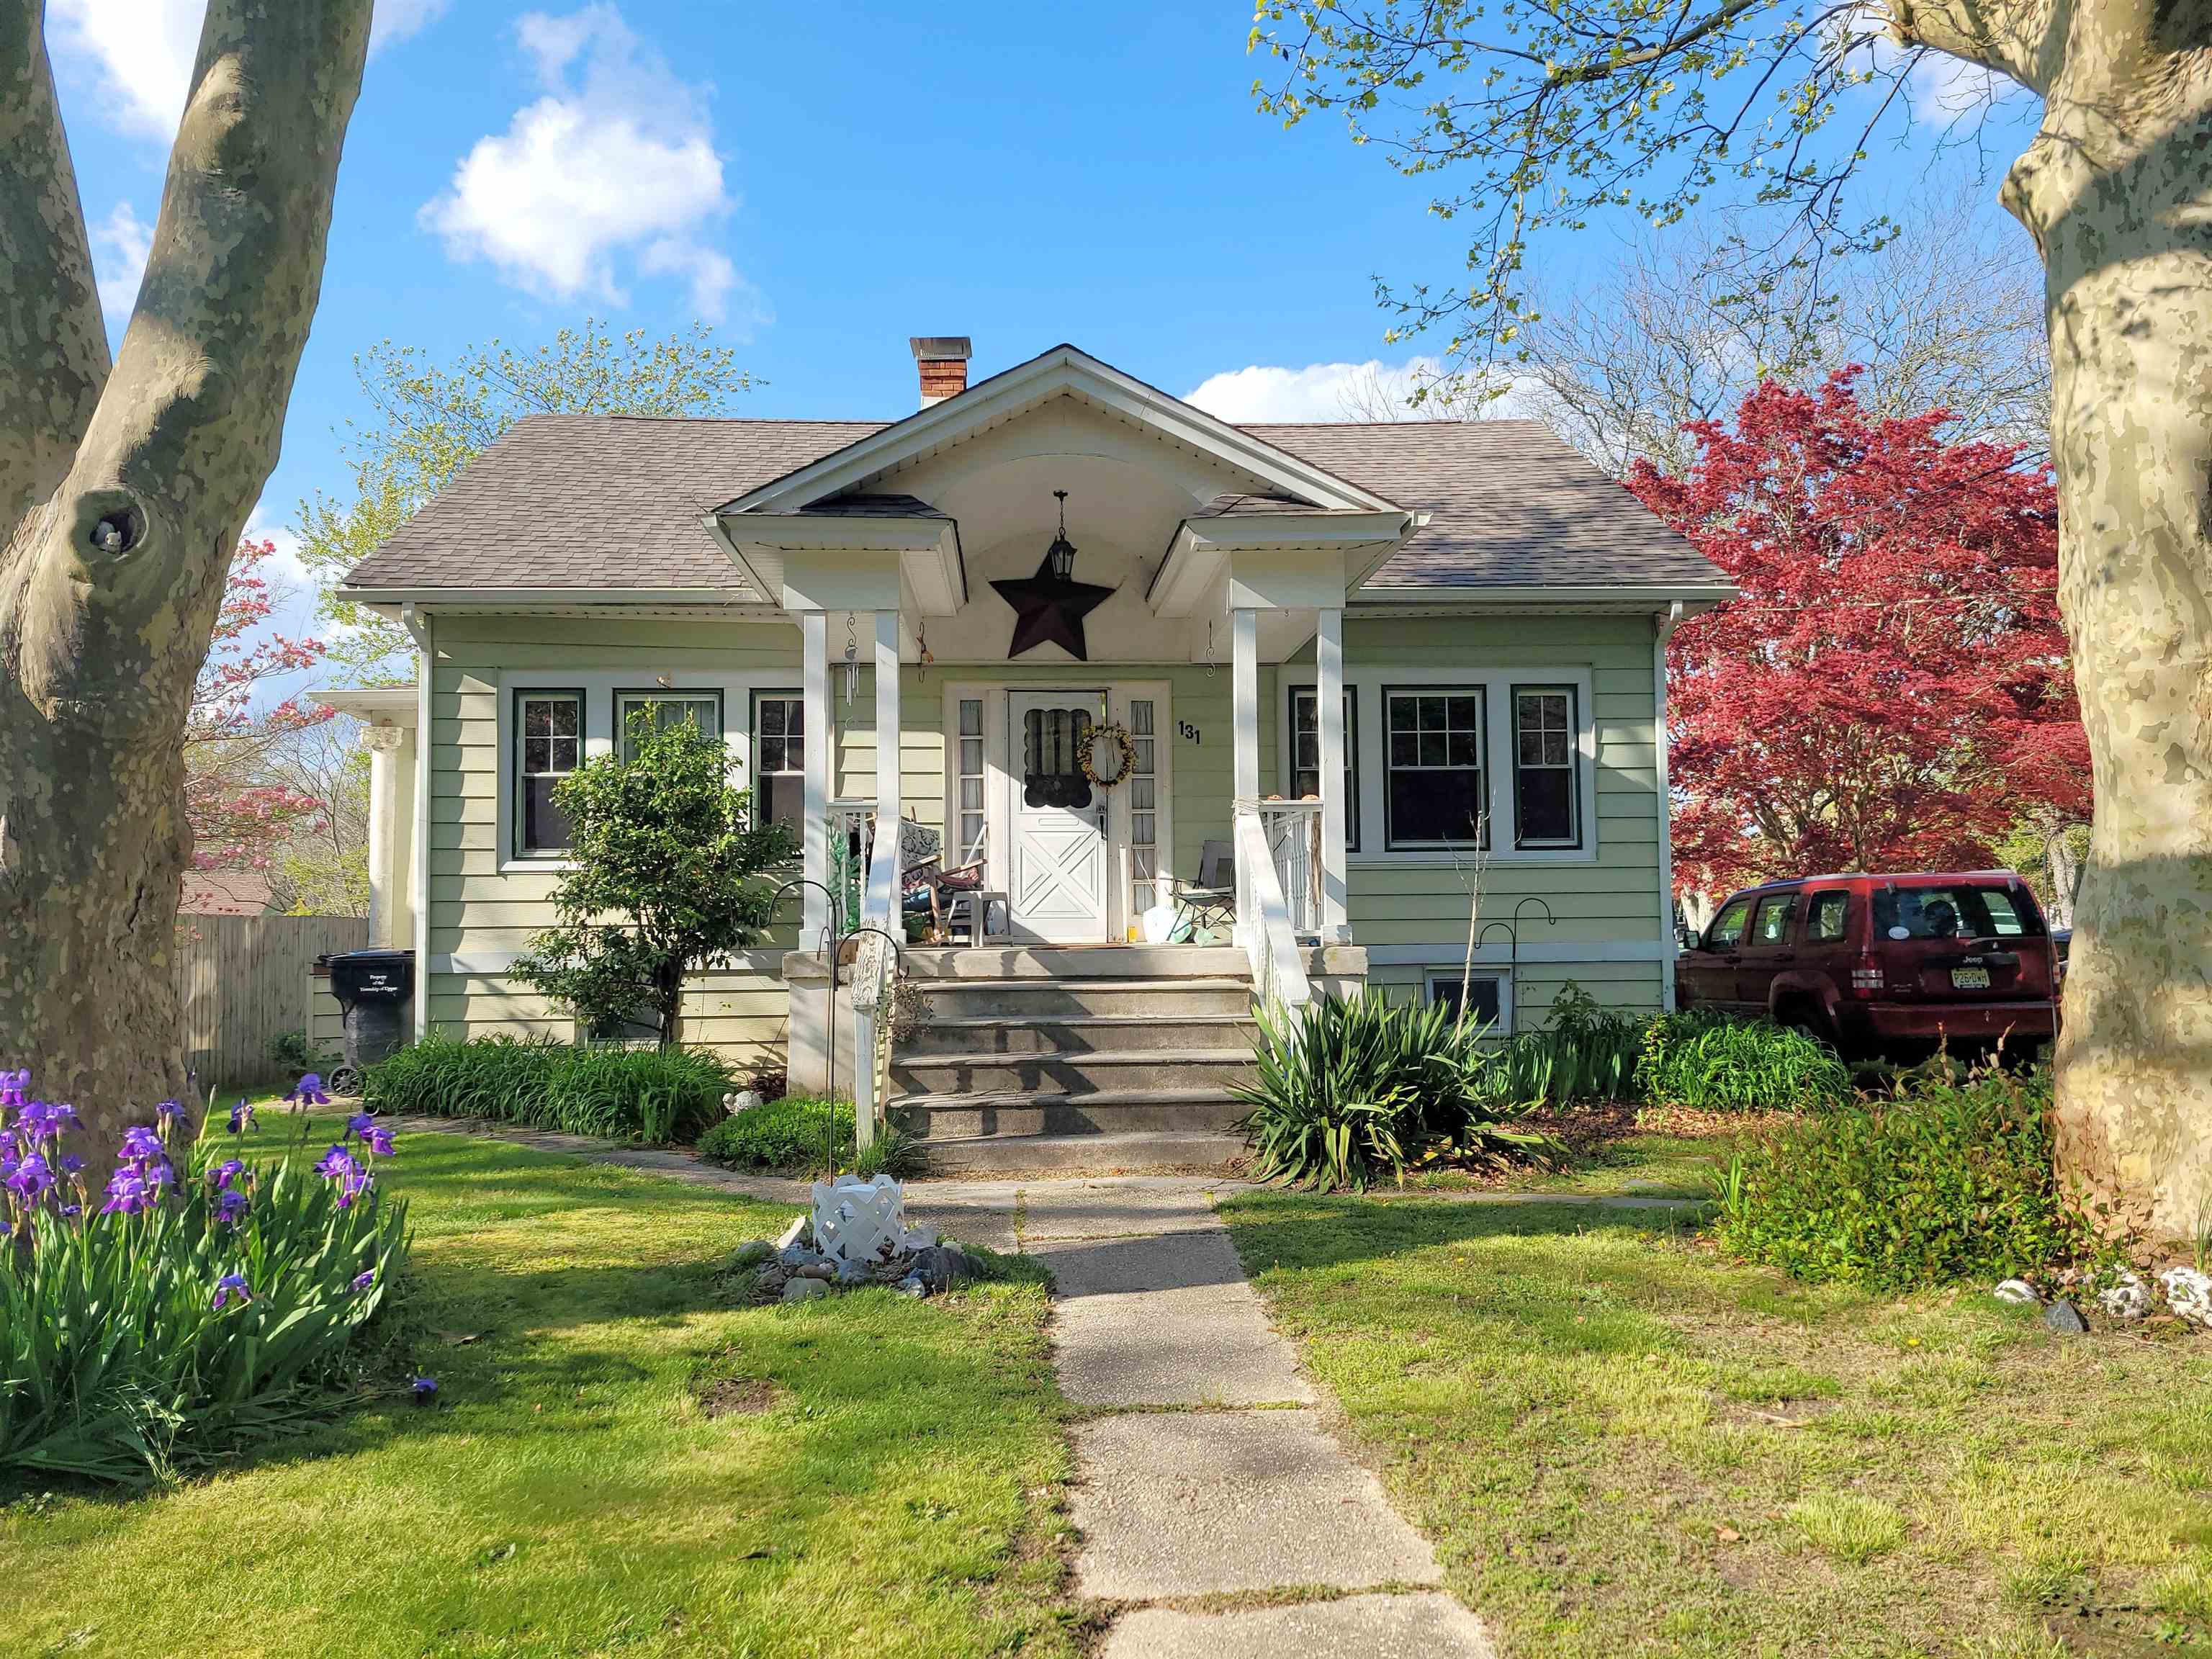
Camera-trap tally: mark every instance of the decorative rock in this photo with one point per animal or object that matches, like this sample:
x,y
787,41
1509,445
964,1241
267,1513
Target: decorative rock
x,y
913,1286
919,1238
2189,1293
804,1290
946,1266
742,1100
2066,1319
790,1235
2018,1292
852,1273
820,1270
753,1253
798,1255
2129,1299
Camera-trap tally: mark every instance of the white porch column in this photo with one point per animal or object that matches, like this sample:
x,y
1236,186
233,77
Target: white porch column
x,y
1244,691
887,719
821,732
1328,652
391,924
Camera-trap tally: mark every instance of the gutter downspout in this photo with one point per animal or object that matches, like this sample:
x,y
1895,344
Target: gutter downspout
x,y
417,624
1666,622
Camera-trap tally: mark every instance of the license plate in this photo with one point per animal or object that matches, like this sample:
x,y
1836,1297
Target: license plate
x,y
1970,979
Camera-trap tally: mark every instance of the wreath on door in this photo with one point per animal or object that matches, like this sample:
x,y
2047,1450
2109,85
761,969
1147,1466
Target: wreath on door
x,y
1125,747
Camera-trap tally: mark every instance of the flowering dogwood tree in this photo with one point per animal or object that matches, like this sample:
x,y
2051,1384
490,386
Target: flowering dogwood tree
x,y
240,814
1893,689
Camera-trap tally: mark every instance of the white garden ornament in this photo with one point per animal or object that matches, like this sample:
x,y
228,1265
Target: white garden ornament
x,y
863,1221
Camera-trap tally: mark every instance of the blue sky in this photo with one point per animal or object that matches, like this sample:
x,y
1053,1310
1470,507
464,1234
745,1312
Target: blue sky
x,y
824,180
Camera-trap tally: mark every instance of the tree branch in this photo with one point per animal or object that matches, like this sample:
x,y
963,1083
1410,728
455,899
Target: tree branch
x,y
53,344
2008,36
133,556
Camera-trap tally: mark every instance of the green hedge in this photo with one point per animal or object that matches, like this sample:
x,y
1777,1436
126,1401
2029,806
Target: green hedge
x,y
653,1095
1709,1063
796,1133
1948,1179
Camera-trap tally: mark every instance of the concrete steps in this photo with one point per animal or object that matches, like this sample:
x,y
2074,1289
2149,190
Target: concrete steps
x,y
1091,1058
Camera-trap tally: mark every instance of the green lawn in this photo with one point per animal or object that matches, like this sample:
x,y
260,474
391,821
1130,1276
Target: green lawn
x,y
1626,1445
886,1476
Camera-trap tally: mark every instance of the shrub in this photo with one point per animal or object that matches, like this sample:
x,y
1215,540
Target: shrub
x,y
654,1095
795,1133
1358,1087
181,1317
1583,1053
291,1053
1948,1179
1709,1063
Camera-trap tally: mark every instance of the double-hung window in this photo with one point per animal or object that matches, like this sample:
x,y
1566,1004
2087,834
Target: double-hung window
x,y
1305,753
1436,795
1545,789
549,728
668,709
780,759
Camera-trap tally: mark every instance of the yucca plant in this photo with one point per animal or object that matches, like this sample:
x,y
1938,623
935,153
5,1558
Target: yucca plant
x,y
1356,1088
184,1315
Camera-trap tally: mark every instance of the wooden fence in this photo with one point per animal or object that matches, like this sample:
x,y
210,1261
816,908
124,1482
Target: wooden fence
x,y
244,979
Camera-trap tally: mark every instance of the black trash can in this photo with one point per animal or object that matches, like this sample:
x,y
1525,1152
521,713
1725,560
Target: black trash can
x,y
376,992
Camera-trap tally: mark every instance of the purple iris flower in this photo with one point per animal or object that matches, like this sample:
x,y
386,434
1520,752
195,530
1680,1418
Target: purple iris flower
x,y
42,1121
141,1144
7,1227
230,1208
363,1279
128,1193
241,1118
342,1166
10,1143
309,1091
359,1124
72,1211
72,1164
228,1285
33,1178
15,1087
167,1109
227,1172
425,1387
380,1143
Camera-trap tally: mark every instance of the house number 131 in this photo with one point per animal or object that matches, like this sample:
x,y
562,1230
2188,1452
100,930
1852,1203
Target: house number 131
x,y
1188,730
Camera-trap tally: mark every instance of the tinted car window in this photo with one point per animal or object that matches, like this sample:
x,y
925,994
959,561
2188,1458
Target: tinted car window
x,y
1728,927
1772,927
1830,912
1965,911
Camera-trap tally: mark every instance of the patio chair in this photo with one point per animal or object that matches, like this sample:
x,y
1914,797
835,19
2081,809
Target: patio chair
x,y
1210,901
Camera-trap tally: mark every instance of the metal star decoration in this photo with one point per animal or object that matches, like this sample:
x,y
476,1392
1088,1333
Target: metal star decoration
x,y
1050,610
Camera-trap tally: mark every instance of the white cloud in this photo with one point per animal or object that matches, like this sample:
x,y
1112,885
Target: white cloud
x,y
120,243
616,157
1372,390
144,51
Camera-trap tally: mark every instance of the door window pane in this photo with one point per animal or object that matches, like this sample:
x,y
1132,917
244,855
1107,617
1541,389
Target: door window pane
x,y
1143,809
970,845
1053,742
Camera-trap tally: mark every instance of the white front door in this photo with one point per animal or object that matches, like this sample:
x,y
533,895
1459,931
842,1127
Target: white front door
x,y
1058,880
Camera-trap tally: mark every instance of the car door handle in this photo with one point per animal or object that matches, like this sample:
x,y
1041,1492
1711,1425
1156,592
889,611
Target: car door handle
x,y
1732,957
1785,956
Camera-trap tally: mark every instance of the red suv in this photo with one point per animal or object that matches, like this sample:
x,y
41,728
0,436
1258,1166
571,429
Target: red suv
x,y
1881,962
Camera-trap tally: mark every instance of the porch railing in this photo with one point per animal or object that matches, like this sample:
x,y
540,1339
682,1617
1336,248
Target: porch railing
x,y
1279,973
1293,832
849,821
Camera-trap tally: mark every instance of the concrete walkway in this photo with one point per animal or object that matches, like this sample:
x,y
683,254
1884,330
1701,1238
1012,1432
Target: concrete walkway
x,y
1205,1474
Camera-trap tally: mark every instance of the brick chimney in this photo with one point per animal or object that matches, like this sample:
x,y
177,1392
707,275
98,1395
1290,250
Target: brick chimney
x,y
942,362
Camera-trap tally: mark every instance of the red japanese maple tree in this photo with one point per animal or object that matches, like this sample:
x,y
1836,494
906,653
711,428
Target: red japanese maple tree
x,y
1892,690
239,812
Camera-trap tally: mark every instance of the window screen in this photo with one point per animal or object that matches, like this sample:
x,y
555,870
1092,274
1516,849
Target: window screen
x,y
549,728
1436,796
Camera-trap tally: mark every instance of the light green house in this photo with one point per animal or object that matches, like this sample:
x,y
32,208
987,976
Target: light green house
x,y
1372,676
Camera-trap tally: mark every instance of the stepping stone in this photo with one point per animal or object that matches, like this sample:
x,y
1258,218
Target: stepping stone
x,y
1430,1627
1166,1320
1182,1504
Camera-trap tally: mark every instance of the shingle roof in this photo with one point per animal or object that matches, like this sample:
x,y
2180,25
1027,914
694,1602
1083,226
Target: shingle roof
x,y
1238,505
1512,506
600,502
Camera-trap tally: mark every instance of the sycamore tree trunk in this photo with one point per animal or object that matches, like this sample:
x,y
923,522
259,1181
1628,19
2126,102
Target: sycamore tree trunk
x,y
123,492
2116,188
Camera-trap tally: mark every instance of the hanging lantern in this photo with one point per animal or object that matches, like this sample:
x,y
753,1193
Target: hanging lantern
x,y
1060,557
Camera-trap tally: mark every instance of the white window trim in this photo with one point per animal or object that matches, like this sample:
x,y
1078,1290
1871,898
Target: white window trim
x,y
1432,976
1496,681
599,686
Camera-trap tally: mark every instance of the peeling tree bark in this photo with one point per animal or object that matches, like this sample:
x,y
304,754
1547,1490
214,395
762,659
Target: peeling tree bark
x,y
2116,188
127,492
